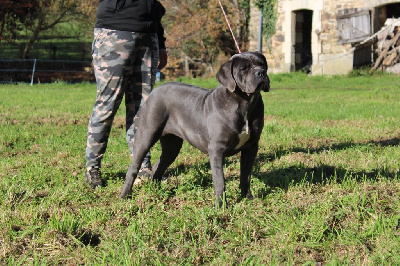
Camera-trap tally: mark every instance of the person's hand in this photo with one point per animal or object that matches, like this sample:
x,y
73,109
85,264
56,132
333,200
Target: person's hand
x,y
163,57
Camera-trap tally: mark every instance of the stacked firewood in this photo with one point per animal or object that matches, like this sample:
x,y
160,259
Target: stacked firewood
x,y
388,47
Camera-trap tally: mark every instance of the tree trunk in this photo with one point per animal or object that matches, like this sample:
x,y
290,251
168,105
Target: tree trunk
x,y
27,47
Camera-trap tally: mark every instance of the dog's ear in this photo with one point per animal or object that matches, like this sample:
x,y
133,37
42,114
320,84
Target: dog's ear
x,y
225,76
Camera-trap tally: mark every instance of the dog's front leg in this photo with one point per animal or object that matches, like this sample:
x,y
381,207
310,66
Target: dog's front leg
x,y
216,162
247,158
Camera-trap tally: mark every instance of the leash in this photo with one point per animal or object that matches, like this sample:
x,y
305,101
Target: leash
x,y
229,25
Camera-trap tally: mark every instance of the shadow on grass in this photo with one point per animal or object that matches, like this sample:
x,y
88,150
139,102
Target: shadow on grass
x,y
293,175
201,173
285,177
113,176
335,147
88,238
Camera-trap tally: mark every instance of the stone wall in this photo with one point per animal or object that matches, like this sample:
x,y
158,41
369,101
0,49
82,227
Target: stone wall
x,y
329,57
272,48
333,58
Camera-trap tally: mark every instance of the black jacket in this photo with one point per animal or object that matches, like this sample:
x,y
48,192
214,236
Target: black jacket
x,y
132,15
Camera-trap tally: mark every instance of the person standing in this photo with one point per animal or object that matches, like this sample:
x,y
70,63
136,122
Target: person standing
x,y
128,48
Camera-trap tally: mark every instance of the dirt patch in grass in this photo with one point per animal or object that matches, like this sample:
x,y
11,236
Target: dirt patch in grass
x,y
44,121
316,143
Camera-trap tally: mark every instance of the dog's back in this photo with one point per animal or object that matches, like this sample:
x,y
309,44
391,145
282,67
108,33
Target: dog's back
x,y
181,94
175,107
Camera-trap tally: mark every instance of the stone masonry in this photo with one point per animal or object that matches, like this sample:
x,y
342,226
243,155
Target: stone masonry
x,y
328,55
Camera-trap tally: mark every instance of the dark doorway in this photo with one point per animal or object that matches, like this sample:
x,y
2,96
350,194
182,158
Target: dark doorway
x,y
382,13
302,42
393,10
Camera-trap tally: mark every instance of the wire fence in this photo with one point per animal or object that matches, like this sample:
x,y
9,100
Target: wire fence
x,y
44,71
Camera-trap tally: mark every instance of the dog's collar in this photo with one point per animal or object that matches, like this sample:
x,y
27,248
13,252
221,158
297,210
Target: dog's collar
x,y
243,94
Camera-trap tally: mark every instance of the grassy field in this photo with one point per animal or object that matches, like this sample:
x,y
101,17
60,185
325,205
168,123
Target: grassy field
x,y
326,183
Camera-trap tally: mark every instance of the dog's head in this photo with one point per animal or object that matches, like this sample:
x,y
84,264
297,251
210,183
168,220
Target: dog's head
x,y
246,72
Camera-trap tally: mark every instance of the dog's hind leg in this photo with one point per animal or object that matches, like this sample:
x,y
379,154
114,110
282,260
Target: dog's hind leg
x,y
143,142
247,158
170,145
130,179
150,126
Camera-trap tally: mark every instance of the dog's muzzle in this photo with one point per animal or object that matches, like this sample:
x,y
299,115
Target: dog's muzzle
x,y
262,76
263,84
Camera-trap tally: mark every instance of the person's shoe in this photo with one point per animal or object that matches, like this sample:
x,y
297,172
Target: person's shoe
x,y
144,174
93,178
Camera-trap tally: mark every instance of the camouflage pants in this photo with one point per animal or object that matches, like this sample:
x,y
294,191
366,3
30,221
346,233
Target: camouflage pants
x,y
125,64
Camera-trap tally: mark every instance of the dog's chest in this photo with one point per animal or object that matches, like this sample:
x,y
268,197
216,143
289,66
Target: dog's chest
x,y
243,136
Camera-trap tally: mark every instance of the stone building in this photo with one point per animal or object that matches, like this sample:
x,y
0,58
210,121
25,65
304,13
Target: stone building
x,y
323,36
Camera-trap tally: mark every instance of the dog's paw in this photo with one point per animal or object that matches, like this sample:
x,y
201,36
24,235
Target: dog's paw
x,y
247,194
126,193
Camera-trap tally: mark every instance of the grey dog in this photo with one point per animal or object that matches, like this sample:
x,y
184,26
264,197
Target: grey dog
x,y
219,122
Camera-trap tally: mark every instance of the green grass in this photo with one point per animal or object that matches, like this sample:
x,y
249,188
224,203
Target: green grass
x,y
326,183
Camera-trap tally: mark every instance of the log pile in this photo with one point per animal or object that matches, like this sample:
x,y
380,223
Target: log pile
x,y
387,47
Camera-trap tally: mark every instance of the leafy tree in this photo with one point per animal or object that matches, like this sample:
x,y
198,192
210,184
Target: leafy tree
x,y
241,9
13,13
34,17
269,12
197,33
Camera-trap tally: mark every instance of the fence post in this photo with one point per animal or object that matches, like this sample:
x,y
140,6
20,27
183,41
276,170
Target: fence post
x,y
33,71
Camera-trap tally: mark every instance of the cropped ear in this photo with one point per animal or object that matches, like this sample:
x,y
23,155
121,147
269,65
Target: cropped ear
x,y
225,76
